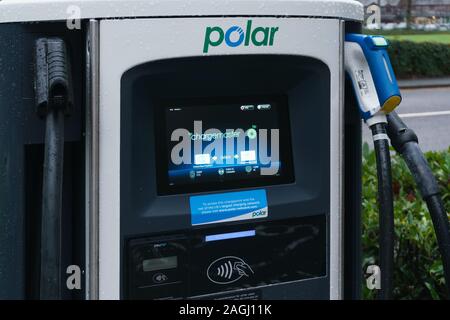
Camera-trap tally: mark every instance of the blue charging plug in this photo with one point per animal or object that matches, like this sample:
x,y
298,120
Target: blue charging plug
x,y
375,51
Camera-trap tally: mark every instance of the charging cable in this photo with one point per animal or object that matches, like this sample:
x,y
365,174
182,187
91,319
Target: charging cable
x,y
368,66
405,142
53,99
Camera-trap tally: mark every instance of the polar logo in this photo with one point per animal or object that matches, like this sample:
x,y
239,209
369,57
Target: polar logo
x,y
228,269
260,213
236,36
239,40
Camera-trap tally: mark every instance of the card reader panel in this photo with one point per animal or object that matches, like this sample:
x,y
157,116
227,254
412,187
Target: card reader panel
x,y
210,261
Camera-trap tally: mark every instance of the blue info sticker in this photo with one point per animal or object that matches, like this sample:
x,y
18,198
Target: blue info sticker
x,y
230,206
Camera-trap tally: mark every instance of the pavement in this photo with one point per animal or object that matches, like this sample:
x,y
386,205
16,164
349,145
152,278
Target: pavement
x,y
427,112
424,83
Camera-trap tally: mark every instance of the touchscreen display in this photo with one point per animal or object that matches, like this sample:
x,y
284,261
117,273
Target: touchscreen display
x,y
220,144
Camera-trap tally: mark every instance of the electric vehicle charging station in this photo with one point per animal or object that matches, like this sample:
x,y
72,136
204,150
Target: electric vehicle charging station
x,y
148,227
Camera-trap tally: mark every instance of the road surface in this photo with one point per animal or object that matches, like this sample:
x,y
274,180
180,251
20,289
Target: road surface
x,y
427,112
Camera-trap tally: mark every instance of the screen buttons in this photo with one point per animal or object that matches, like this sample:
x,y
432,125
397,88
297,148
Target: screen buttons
x,y
264,107
247,107
249,155
203,158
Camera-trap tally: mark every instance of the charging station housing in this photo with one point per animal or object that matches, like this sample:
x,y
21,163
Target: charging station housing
x,y
134,221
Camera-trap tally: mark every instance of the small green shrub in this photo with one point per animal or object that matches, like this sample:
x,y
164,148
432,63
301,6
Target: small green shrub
x,y
419,60
418,269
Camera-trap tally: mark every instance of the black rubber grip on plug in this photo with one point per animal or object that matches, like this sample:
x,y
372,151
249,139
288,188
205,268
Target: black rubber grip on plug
x,y
53,88
404,140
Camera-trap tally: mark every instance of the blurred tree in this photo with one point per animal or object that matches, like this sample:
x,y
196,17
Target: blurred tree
x,y
408,13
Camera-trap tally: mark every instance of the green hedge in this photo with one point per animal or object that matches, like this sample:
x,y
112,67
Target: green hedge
x,y
419,60
418,269
403,32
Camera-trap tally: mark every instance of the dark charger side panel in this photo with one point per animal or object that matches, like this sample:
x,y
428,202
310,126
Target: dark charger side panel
x,y
21,161
145,214
353,277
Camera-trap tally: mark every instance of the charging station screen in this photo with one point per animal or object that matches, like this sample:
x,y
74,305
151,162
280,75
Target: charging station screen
x,y
222,144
